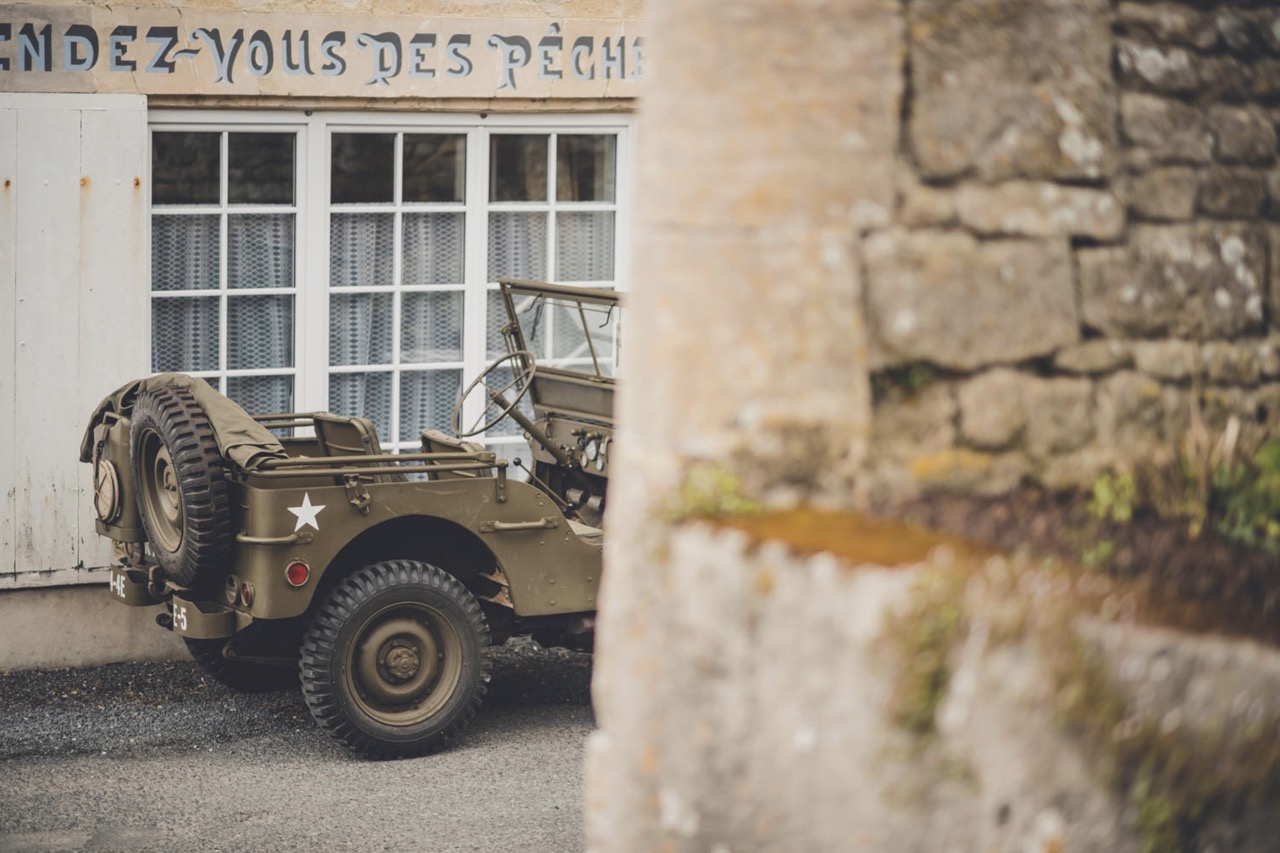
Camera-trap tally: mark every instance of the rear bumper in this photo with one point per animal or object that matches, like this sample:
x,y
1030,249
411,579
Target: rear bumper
x,y
137,586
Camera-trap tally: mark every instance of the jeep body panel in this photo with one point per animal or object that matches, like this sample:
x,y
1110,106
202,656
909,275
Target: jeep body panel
x,y
548,567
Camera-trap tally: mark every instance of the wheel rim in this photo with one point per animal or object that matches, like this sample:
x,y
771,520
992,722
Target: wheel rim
x,y
405,664
161,497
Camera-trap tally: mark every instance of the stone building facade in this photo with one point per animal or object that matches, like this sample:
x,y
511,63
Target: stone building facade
x,y
1082,253
1045,227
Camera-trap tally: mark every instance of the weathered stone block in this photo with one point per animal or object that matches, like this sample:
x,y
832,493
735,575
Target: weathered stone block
x,y
1242,135
1076,470
1165,69
1035,209
1273,276
1239,363
1094,357
1241,33
993,408
1202,280
1272,180
1264,80
1044,71
1059,416
1223,78
1167,193
1170,361
923,206
1132,413
1170,131
904,424
947,299
1232,193
1167,22
1267,354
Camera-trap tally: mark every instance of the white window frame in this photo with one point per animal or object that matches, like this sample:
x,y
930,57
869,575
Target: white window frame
x,y
224,210
312,290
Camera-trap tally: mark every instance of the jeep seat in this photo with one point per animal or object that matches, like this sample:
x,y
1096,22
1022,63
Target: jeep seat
x,y
435,441
344,436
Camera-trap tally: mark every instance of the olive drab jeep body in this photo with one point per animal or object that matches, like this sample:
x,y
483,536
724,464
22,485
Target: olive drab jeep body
x,y
288,545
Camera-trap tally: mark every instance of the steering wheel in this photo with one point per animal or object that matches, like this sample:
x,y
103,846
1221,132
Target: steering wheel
x,y
524,368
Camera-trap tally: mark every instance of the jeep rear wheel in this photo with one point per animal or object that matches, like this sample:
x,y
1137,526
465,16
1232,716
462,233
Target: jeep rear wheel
x,y
181,483
396,661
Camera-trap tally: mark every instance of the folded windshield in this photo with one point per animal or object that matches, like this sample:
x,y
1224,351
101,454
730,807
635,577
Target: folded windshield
x,y
569,329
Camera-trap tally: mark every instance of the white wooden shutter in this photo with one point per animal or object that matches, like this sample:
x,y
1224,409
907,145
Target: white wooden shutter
x,y
74,270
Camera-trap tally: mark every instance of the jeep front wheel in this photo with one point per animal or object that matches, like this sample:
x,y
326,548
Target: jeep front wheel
x,y
396,660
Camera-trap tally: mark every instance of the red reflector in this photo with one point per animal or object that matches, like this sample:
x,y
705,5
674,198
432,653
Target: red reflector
x,y
246,594
297,574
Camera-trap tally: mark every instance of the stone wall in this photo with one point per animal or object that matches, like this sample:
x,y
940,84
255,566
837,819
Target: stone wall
x,y
1085,238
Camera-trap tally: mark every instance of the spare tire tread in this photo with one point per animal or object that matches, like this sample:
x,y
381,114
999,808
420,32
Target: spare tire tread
x,y
183,427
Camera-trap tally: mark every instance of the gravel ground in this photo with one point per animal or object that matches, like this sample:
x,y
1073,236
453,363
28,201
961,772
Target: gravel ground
x,y
159,757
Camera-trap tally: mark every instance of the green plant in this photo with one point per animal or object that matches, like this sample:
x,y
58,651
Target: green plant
x,y
1159,826
1251,499
1114,497
1097,555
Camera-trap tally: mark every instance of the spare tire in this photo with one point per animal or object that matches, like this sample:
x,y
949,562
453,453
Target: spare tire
x,y
181,483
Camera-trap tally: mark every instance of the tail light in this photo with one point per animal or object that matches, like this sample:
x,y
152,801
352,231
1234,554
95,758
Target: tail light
x,y
298,573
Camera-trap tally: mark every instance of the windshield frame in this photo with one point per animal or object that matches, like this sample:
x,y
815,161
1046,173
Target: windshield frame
x,y
566,295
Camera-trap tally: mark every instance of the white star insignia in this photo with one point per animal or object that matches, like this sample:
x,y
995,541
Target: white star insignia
x,y
306,513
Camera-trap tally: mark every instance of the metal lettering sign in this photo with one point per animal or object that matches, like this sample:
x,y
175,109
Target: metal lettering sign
x,y
172,52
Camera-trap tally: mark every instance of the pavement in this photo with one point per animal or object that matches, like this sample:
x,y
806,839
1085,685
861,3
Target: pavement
x,y
150,757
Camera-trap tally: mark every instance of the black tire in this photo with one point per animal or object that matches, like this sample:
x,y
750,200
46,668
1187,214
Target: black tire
x,y
244,676
396,660
181,485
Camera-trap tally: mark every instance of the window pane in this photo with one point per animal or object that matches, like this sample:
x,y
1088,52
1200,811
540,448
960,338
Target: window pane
x,y
495,319
568,334
517,167
363,395
361,252
261,395
517,245
259,332
360,328
184,334
362,168
584,246
260,168
433,248
434,167
184,252
431,327
426,401
585,168
184,167
260,250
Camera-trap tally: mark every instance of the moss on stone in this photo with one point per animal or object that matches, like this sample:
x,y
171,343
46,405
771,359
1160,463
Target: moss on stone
x,y
711,491
923,638
1176,776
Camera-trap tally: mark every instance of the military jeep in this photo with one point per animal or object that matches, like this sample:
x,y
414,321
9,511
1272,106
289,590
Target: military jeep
x,y
289,543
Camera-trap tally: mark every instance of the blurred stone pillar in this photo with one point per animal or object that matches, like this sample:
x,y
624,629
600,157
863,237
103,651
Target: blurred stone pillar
x,y
768,139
